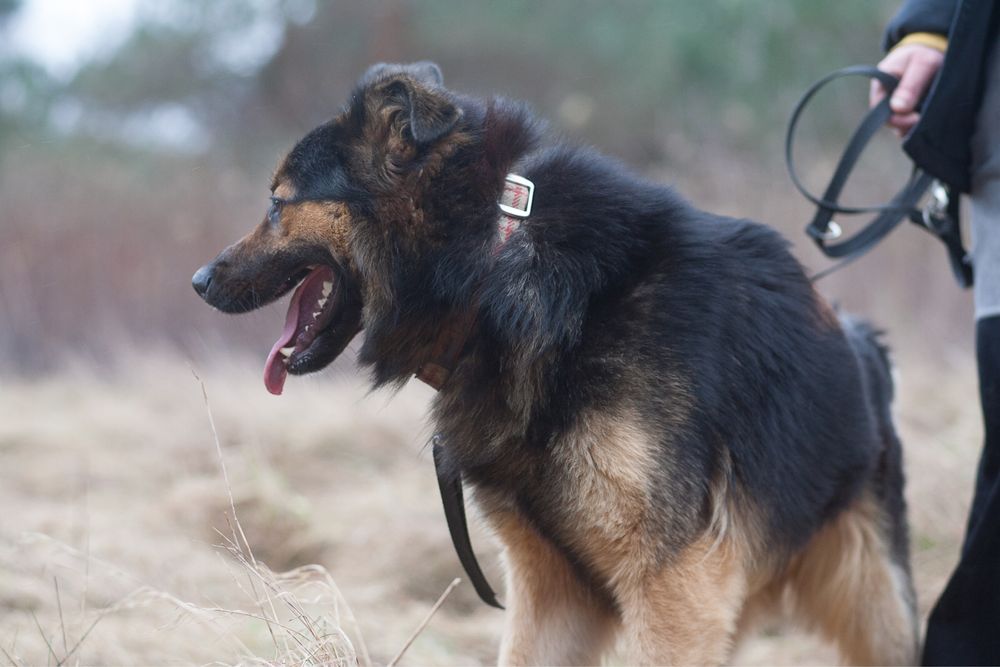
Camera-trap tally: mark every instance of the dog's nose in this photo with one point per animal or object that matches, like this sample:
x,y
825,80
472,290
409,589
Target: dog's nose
x,y
202,279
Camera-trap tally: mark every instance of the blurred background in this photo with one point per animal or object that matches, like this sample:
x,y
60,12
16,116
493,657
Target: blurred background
x,y
137,138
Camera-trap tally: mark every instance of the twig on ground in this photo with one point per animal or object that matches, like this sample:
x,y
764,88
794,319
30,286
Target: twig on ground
x,y
10,658
93,625
62,623
45,638
423,624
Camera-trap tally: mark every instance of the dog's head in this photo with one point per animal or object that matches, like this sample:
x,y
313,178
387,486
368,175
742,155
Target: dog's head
x,y
345,199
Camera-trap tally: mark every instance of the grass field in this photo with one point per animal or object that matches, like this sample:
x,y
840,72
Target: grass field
x,y
117,511
118,534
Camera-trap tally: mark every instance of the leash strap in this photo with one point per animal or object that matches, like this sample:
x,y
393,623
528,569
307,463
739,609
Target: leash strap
x,y
515,205
453,500
822,228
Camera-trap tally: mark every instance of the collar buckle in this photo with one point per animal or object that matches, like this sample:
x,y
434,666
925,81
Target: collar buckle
x,y
518,193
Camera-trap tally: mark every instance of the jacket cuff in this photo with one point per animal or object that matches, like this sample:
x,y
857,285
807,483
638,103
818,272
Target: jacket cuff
x,y
933,40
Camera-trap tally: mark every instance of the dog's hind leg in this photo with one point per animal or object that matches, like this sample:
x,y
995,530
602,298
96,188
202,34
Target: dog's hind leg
x,y
854,587
551,618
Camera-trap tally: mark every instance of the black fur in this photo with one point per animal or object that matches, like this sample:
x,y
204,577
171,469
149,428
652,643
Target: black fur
x,y
615,289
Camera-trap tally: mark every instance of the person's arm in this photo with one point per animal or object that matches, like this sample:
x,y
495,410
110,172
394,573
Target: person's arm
x,y
916,41
919,16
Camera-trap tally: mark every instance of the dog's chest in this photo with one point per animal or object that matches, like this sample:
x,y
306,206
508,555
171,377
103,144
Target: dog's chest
x,y
589,492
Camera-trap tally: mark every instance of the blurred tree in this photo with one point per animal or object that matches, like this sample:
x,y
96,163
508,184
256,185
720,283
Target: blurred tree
x,y
7,8
273,68
165,144
26,90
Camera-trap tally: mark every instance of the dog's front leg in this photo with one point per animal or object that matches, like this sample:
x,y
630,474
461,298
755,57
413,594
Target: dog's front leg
x,y
685,613
551,617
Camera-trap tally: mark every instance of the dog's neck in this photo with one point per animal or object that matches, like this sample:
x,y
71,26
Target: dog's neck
x,y
514,207
497,136
507,134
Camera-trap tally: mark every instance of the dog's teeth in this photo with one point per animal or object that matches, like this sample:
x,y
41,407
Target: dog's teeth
x,y
327,288
287,351
322,302
316,314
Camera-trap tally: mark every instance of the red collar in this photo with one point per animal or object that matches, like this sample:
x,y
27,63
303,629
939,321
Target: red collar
x,y
515,206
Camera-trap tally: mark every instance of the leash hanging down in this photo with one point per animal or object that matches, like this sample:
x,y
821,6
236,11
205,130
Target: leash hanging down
x,y
453,500
940,216
515,206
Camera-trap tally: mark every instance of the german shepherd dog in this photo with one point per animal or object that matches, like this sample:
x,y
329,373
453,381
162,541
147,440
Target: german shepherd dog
x,y
666,426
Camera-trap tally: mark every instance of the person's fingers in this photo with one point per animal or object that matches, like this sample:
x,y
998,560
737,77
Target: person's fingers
x,y
915,65
904,120
903,123
875,92
920,67
895,64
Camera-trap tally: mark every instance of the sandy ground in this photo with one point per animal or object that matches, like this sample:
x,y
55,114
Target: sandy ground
x,y
115,507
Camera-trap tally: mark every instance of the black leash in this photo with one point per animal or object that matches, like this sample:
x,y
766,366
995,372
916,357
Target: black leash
x,y
450,483
939,217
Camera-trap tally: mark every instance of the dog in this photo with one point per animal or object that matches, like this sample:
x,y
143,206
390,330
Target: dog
x,y
668,429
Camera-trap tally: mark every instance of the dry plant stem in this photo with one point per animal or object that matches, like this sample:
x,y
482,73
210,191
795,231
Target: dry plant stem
x,y
239,548
82,637
232,508
225,474
48,644
423,624
9,657
236,580
62,623
252,569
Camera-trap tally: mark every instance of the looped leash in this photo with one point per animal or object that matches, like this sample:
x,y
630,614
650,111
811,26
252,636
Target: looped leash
x,y
940,216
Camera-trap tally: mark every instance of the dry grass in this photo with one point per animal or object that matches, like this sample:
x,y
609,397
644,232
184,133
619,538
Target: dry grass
x,y
117,545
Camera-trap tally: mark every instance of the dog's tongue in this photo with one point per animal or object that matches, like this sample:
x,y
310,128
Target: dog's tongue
x,y
308,312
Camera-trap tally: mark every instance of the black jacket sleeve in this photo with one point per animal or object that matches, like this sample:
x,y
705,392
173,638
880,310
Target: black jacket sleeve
x,y
919,16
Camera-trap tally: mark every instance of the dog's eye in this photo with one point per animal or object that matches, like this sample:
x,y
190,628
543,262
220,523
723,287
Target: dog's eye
x,y
274,213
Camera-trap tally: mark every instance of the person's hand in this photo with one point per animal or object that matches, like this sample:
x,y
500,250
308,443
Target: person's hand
x,y
915,65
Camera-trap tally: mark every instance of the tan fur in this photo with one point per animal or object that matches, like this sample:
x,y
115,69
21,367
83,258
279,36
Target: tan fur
x,y
688,607
826,316
282,189
324,222
611,463
551,619
735,521
677,610
847,586
687,612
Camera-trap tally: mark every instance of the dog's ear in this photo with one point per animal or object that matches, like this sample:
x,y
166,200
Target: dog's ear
x,y
427,110
424,70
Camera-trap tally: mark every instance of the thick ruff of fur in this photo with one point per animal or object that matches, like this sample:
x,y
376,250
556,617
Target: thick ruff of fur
x,y
667,427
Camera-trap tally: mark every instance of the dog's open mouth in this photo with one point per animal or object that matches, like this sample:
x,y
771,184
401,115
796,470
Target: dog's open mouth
x,y
323,316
